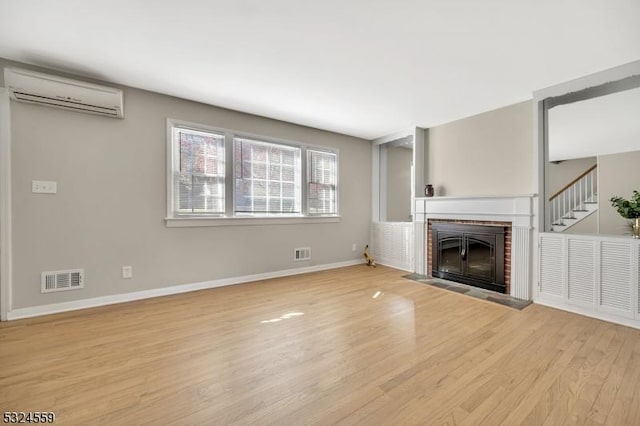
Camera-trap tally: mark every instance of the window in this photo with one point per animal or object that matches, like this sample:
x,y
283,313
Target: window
x,y
199,174
267,177
322,182
220,174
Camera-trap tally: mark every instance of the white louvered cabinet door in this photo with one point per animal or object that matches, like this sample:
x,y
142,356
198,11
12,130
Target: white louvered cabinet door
x,y
616,278
581,274
551,267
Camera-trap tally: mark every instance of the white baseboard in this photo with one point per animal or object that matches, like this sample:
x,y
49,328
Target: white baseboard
x,y
383,262
74,305
629,322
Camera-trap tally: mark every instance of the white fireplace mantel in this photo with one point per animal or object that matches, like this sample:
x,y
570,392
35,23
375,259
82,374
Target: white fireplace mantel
x,y
517,209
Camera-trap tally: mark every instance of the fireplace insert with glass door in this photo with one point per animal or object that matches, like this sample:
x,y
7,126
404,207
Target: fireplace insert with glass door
x,y
469,254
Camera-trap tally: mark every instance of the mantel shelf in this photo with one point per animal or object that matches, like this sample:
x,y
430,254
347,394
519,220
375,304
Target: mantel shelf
x,y
473,197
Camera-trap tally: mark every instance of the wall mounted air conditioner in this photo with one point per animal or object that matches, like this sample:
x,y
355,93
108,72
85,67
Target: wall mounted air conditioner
x,y
50,90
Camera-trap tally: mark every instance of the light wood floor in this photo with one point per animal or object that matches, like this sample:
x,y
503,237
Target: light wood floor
x,y
412,355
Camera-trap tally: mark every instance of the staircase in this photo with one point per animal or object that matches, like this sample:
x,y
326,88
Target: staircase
x,y
576,201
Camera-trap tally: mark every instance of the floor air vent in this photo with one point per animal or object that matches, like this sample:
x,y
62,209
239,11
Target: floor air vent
x,y
71,279
302,254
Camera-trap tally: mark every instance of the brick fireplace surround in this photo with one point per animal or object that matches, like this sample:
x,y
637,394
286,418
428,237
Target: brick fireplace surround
x,y
515,213
507,244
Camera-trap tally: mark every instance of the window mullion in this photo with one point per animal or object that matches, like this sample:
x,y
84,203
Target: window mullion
x,y
229,174
281,177
175,165
191,197
267,175
304,181
252,180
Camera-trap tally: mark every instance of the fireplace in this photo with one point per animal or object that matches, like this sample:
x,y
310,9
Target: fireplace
x,y
512,212
470,254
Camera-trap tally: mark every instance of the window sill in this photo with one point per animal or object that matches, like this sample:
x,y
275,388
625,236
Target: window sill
x,y
188,222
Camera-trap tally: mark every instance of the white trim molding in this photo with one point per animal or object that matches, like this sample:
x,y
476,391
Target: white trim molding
x,y
5,206
517,209
186,222
55,308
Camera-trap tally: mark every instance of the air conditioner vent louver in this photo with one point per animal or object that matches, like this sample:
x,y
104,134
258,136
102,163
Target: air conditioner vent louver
x,y
66,103
49,90
303,253
62,280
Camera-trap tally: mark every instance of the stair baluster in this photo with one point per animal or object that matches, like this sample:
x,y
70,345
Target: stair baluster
x,y
574,197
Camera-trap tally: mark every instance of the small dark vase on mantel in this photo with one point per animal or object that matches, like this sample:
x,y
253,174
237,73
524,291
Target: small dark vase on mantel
x,y
428,191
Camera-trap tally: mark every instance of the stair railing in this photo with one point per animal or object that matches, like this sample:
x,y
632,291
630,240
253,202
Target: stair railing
x,y
574,195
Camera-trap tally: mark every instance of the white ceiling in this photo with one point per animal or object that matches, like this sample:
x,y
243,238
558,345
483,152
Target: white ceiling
x,y
360,67
604,125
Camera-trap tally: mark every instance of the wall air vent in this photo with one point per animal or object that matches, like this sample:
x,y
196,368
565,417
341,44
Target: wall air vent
x,y
70,279
303,253
50,90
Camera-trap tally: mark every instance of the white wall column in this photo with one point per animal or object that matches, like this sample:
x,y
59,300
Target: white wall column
x,y
521,262
420,232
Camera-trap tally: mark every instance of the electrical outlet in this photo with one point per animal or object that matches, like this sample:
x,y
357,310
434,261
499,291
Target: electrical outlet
x,y
353,247
44,187
127,272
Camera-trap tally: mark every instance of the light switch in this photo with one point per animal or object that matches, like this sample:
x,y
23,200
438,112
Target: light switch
x,y
44,187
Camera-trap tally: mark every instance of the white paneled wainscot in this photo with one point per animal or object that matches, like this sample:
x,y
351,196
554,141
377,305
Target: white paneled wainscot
x,y
392,244
596,276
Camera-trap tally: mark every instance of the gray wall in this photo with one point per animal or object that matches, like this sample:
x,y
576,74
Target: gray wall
x,y
111,202
588,225
487,154
618,175
399,184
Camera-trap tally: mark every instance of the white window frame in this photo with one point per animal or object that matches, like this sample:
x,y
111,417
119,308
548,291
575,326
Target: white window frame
x,y
307,179
302,181
230,218
175,166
